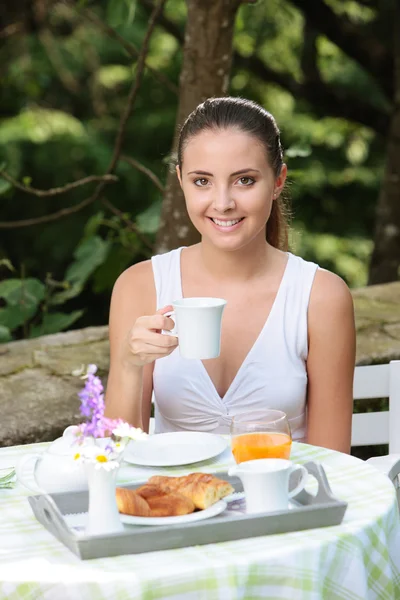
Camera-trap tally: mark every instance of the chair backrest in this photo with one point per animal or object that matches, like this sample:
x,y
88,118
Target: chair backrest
x,y
378,381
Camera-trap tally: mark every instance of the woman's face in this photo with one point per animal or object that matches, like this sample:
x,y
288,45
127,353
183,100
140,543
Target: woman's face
x,y
229,186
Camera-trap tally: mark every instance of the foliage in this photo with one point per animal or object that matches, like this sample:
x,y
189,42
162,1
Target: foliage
x,y
29,302
63,96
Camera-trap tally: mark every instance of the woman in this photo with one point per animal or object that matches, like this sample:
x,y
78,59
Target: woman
x,y
288,335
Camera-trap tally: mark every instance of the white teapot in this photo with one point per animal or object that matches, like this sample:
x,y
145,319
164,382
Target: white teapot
x,y
55,470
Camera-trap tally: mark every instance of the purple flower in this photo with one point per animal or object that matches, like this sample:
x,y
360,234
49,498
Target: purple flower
x,y
92,406
96,425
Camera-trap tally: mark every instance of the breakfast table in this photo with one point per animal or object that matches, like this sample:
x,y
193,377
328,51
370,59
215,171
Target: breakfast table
x,y
356,560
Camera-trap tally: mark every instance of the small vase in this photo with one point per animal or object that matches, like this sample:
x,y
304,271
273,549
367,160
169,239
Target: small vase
x,y
103,515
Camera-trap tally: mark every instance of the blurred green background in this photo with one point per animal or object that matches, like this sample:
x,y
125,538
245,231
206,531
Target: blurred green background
x,y
63,90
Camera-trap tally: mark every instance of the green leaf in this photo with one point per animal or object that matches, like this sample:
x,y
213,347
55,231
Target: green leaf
x,y
8,286
5,262
117,12
23,297
19,291
27,180
91,253
149,220
93,224
29,126
62,297
301,150
55,322
5,334
118,259
131,5
29,293
4,186
12,317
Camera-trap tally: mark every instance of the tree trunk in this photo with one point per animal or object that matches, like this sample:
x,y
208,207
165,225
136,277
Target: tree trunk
x,y
207,57
385,261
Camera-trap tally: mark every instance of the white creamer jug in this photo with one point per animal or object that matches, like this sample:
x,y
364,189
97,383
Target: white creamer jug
x,y
266,483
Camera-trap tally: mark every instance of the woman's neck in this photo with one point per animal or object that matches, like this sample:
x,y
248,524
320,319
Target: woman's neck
x,y
244,264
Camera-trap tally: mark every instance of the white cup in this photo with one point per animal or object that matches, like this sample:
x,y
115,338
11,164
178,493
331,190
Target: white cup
x,y
266,483
198,326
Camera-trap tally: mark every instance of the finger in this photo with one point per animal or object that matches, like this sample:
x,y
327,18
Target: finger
x,y
157,322
152,353
150,338
168,323
161,340
165,309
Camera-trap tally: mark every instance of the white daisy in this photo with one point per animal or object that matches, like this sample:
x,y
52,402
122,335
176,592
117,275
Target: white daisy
x,y
127,431
107,465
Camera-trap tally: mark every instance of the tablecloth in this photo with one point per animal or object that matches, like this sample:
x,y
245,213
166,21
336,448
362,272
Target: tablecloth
x,y
357,560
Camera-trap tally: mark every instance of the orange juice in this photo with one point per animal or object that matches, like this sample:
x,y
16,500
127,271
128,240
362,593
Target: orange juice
x,y
250,446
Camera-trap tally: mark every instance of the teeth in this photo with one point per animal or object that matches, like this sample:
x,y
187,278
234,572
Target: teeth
x,y
226,223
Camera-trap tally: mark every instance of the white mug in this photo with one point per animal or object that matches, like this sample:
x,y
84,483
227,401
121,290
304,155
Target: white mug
x,y
198,326
266,483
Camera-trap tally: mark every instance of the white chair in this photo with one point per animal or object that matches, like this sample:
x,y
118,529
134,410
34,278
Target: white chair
x,y
379,381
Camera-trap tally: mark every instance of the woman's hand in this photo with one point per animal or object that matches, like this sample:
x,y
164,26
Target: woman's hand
x,y
146,343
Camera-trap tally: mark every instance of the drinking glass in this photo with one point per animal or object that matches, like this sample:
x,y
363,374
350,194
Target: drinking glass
x,y
260,434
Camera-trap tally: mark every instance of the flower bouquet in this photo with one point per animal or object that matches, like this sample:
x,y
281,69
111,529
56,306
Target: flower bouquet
x,y
100,444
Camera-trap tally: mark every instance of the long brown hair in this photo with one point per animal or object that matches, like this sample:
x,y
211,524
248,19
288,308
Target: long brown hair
x,y
251,118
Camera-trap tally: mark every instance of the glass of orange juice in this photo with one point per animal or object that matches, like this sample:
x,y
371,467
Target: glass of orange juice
x,y
260,434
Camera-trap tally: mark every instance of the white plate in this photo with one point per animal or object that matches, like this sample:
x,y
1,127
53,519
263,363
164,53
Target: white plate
x,y
207,513
175,448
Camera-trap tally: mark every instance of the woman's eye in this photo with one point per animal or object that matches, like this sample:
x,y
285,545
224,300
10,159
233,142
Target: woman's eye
x,y
202,182
246,180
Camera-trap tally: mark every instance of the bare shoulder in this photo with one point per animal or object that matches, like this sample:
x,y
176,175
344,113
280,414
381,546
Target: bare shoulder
x,y
329,290
136,286
140,273
330,299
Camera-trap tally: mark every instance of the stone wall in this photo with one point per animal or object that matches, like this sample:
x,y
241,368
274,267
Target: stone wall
x,y
38,393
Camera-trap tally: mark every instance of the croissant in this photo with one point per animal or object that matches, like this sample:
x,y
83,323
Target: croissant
x,y
170,505
148,490
163,503
151,501
202,488
130,503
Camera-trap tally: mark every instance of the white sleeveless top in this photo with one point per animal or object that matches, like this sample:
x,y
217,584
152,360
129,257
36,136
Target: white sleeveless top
x,y
273,374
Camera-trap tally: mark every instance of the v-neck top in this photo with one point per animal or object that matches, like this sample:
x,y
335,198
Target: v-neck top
x,y
272,375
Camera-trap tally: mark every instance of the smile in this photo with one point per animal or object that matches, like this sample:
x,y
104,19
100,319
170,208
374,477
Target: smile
x,y
229,223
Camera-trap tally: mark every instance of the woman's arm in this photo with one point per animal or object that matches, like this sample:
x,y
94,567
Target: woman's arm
x,y
129,387
330,363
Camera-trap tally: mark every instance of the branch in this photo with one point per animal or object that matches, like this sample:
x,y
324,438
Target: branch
x,y
129,223
118,143
12,29
137,165
165,23
58,190
352,39
134,89
130,48
64,212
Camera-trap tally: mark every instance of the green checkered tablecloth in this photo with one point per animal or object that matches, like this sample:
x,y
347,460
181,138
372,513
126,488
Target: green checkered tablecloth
x,y
357,560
